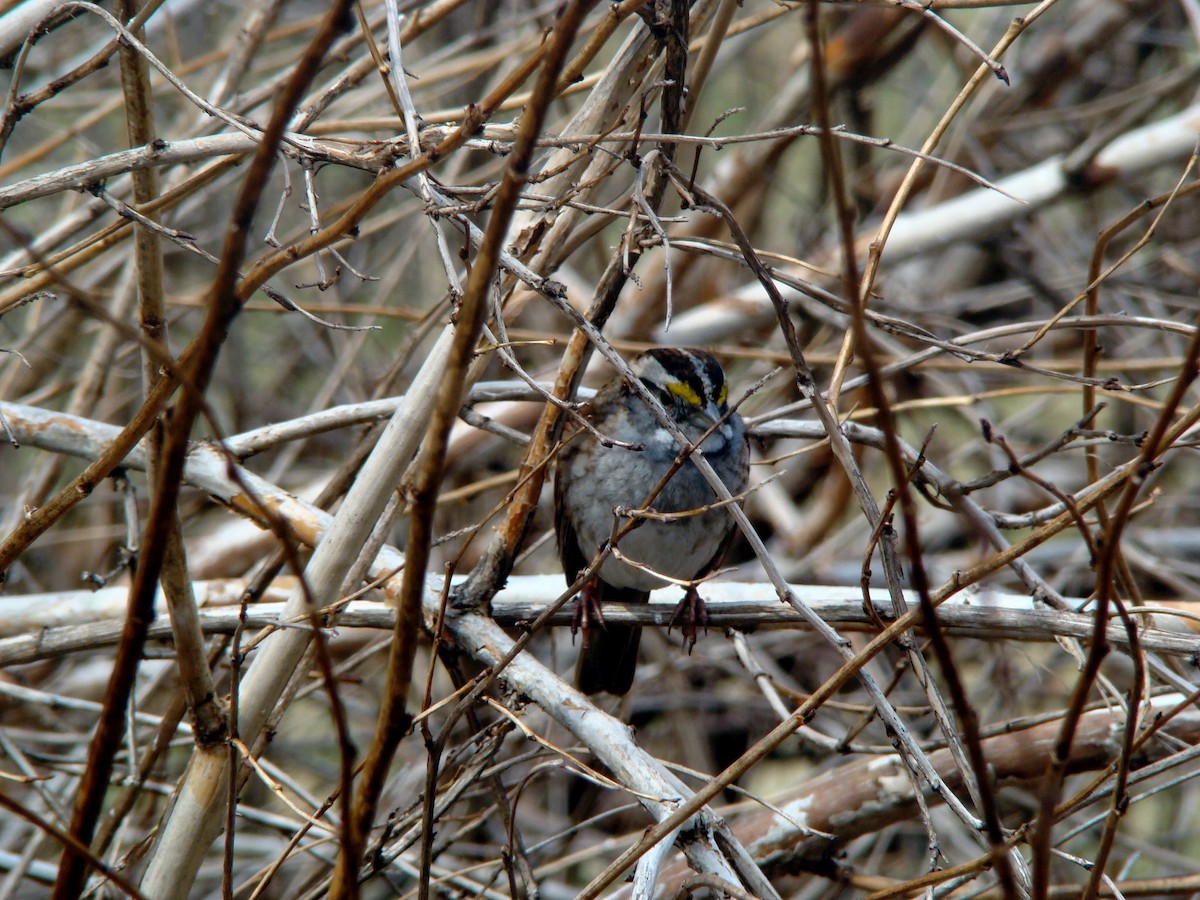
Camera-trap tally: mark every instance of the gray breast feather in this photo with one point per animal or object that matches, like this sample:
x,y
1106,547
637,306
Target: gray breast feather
x,y
679,548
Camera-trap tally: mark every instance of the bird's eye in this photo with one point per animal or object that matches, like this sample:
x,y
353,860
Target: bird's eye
x,y
666,398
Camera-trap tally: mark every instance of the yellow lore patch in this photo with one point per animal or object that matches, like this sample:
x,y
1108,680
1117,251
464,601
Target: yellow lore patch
x,y
683,392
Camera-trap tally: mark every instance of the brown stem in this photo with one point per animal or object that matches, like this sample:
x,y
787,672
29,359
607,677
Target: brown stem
x,y
967,719
394,719
224,305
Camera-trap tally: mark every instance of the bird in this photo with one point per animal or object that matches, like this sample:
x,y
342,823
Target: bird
x,y
616,463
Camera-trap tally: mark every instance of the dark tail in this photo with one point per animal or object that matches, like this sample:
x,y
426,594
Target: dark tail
x,y
610,658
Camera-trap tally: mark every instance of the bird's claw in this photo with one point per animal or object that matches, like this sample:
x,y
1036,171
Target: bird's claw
x,y
587,611
692,614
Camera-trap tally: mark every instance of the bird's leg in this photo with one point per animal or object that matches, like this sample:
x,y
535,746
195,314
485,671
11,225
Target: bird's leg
x,y
587,610
690,613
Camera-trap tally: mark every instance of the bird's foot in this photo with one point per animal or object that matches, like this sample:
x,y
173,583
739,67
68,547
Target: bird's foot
x,y
692,614
587,611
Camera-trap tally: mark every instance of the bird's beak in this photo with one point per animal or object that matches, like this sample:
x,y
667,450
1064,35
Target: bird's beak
x,y
705,417
711,412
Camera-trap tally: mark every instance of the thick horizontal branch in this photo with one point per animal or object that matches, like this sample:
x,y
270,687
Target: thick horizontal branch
x,y
162,153
36,627
867,795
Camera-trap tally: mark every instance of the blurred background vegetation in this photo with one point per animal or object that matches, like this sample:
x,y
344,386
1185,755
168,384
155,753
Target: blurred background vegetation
x,y
1062,190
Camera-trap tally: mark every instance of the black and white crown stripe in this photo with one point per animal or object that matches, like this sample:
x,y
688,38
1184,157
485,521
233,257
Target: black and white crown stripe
x,y
696,370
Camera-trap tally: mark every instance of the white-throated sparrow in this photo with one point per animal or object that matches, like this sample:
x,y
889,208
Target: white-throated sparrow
x,y
593,480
